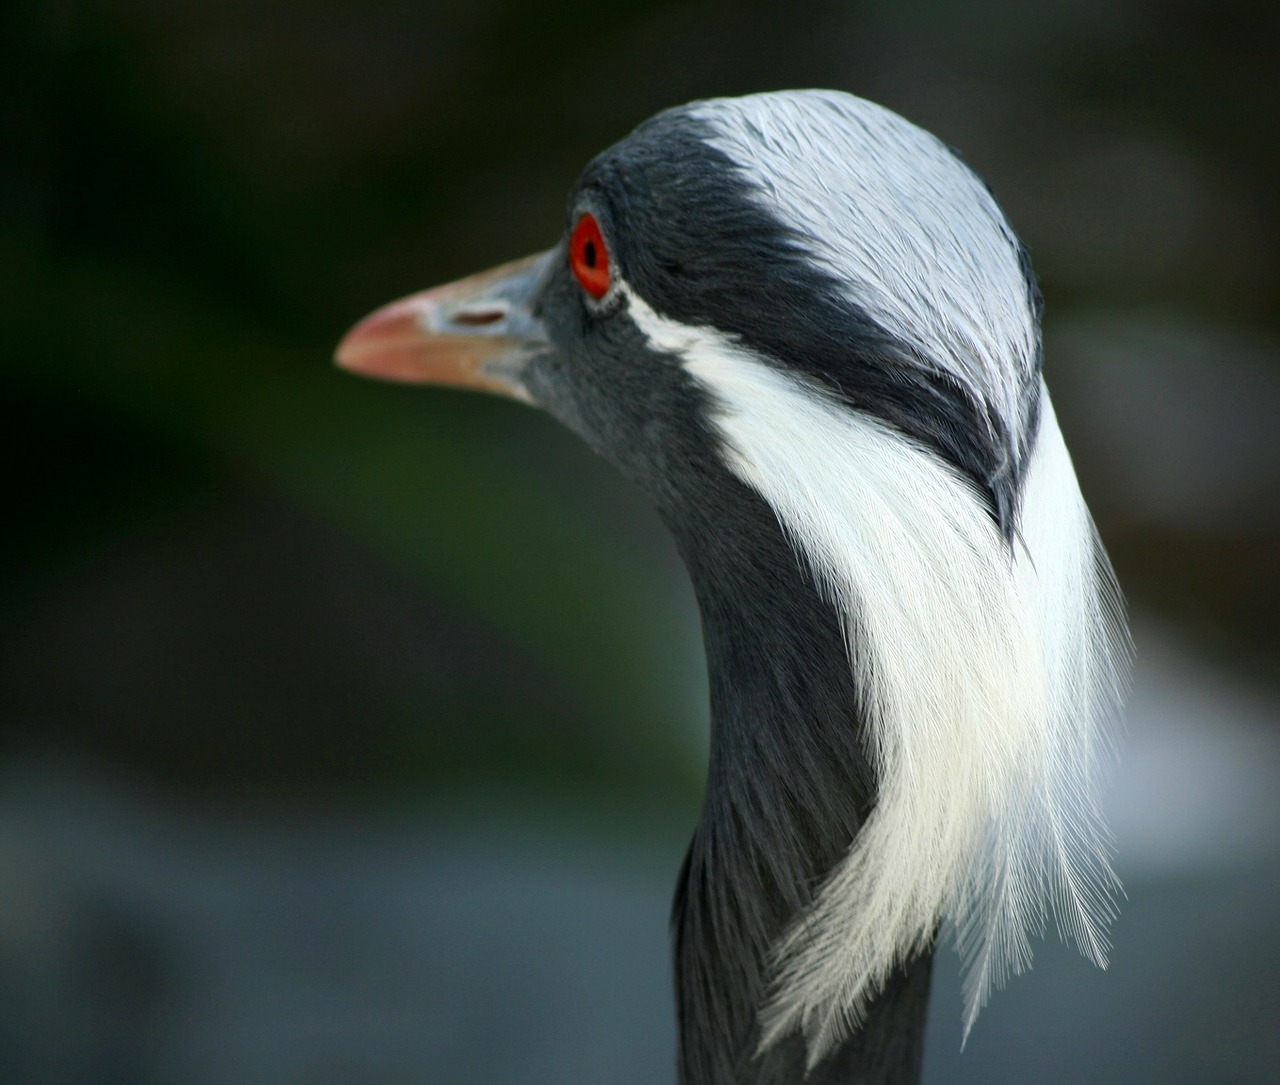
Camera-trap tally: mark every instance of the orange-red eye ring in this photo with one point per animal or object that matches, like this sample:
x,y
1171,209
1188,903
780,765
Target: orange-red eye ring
x,y
589,257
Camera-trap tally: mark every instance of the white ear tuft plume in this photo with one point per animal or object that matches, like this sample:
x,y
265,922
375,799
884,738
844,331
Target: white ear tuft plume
x,y
986,671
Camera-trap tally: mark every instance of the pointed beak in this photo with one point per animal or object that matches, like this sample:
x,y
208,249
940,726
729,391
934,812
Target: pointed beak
x,y
475,333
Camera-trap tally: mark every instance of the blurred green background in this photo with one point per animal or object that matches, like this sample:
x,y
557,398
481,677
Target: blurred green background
x,y
352,733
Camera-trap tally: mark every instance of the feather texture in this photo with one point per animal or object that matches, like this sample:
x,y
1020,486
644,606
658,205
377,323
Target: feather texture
x,y
984,667
911,234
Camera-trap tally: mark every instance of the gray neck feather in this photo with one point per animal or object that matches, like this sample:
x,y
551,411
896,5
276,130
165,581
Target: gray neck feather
x,y
789,786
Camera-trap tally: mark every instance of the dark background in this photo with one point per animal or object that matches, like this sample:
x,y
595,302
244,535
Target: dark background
x,y
352,733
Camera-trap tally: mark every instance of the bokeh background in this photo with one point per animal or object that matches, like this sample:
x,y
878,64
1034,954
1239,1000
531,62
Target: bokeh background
x,y
353,733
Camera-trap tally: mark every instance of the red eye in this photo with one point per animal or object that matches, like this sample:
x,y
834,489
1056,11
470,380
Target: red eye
x,y
589,257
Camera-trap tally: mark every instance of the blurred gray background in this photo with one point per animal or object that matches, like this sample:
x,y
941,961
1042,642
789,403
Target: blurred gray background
x,y
353,733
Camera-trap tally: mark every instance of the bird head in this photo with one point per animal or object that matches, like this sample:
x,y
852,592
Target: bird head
x,y
805,327
811,231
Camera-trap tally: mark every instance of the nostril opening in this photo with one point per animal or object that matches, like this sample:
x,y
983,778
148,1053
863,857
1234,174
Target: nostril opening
x,y
479,317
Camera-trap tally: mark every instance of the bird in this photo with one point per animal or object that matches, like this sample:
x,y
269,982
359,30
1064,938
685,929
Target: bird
x,y
805,328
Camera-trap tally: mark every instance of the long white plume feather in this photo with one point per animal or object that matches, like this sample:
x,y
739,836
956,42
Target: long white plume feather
x,y
985,671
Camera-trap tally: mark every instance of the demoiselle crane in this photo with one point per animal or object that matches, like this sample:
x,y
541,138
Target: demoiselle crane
x,y
808,332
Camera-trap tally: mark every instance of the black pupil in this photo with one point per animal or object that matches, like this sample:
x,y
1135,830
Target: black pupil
x,y
589,253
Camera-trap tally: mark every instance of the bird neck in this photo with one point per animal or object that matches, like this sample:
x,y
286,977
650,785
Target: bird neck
x,y
789,786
